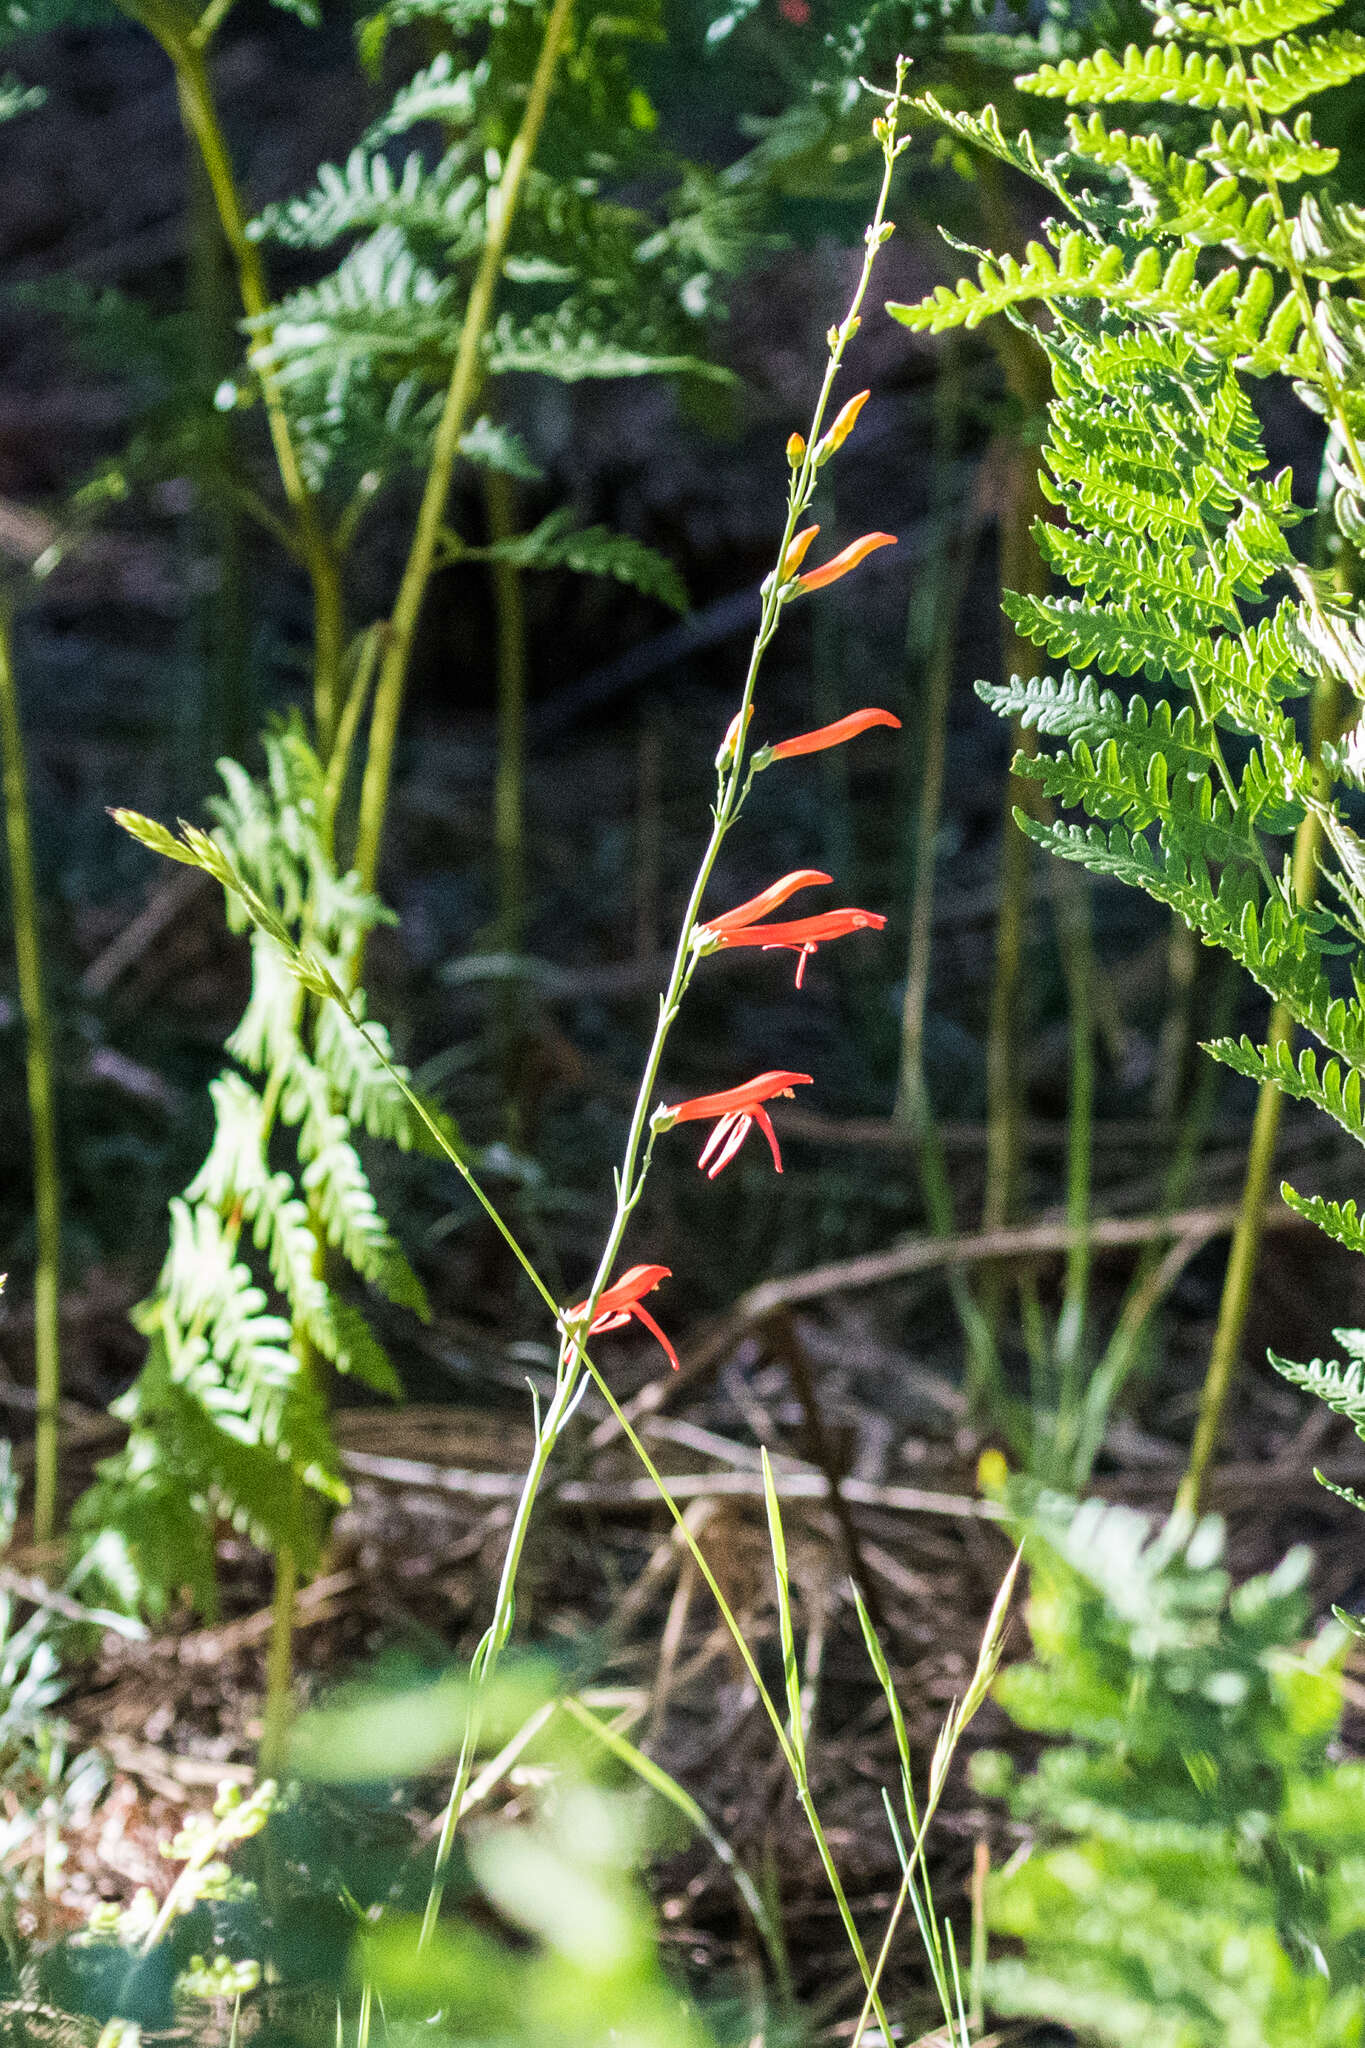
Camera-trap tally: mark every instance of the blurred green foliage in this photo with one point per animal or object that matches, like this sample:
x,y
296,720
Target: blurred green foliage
x,y
1191,1874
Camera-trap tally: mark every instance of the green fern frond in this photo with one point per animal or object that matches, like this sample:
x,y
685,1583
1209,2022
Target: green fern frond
x,y
354,1063
1341,1387
570,348
1271,151
1245,22
1073,707
493,446
1162,73
379,305
984,132
445,201
1340,1220
143,1533
1242,674
335,1181
1134,782
556,543
1296,69
447,90
1336,1090
1328,237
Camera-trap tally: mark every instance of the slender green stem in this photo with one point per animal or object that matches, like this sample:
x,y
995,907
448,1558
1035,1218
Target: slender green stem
x,y
343,746
464,383
1246,1240
279,1662
1160,1264
913,1107
42,1107
509,776
187,53
225,711
1072,897
1022,568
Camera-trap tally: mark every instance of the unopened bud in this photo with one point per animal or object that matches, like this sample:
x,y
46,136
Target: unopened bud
x,y
796,553
729,744
845,421
796,448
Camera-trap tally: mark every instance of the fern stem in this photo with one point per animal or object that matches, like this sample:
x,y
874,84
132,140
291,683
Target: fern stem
x,y
509,779
1075,944
1246,1240
343,745
279,1663
913,1107
41,1097
464,381
200,115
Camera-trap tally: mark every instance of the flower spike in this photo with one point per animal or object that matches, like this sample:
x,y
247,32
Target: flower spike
x,y
619,1303
829,735
737,1110
847,558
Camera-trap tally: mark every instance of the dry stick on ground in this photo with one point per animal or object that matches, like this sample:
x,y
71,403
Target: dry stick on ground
x,y
1191,1229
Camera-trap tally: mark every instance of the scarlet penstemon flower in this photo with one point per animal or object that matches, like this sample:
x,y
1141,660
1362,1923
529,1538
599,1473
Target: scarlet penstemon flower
x,y
824,736
736,1110
846,559
621,1303
746,925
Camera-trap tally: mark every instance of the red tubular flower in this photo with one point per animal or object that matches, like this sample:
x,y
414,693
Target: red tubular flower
x,y
737,1111
617,1304
767,899
846,559
744,927
803,934
830,735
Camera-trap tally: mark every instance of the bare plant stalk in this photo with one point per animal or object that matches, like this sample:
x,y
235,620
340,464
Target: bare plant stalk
x,y
42,1108
464,383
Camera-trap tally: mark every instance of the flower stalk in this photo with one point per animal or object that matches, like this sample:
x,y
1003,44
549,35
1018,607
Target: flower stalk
x,y
604,1305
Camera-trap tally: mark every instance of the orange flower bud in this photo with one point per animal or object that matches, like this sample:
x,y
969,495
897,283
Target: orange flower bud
x,y
728,745
796,553
843,426
847,558
796,448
